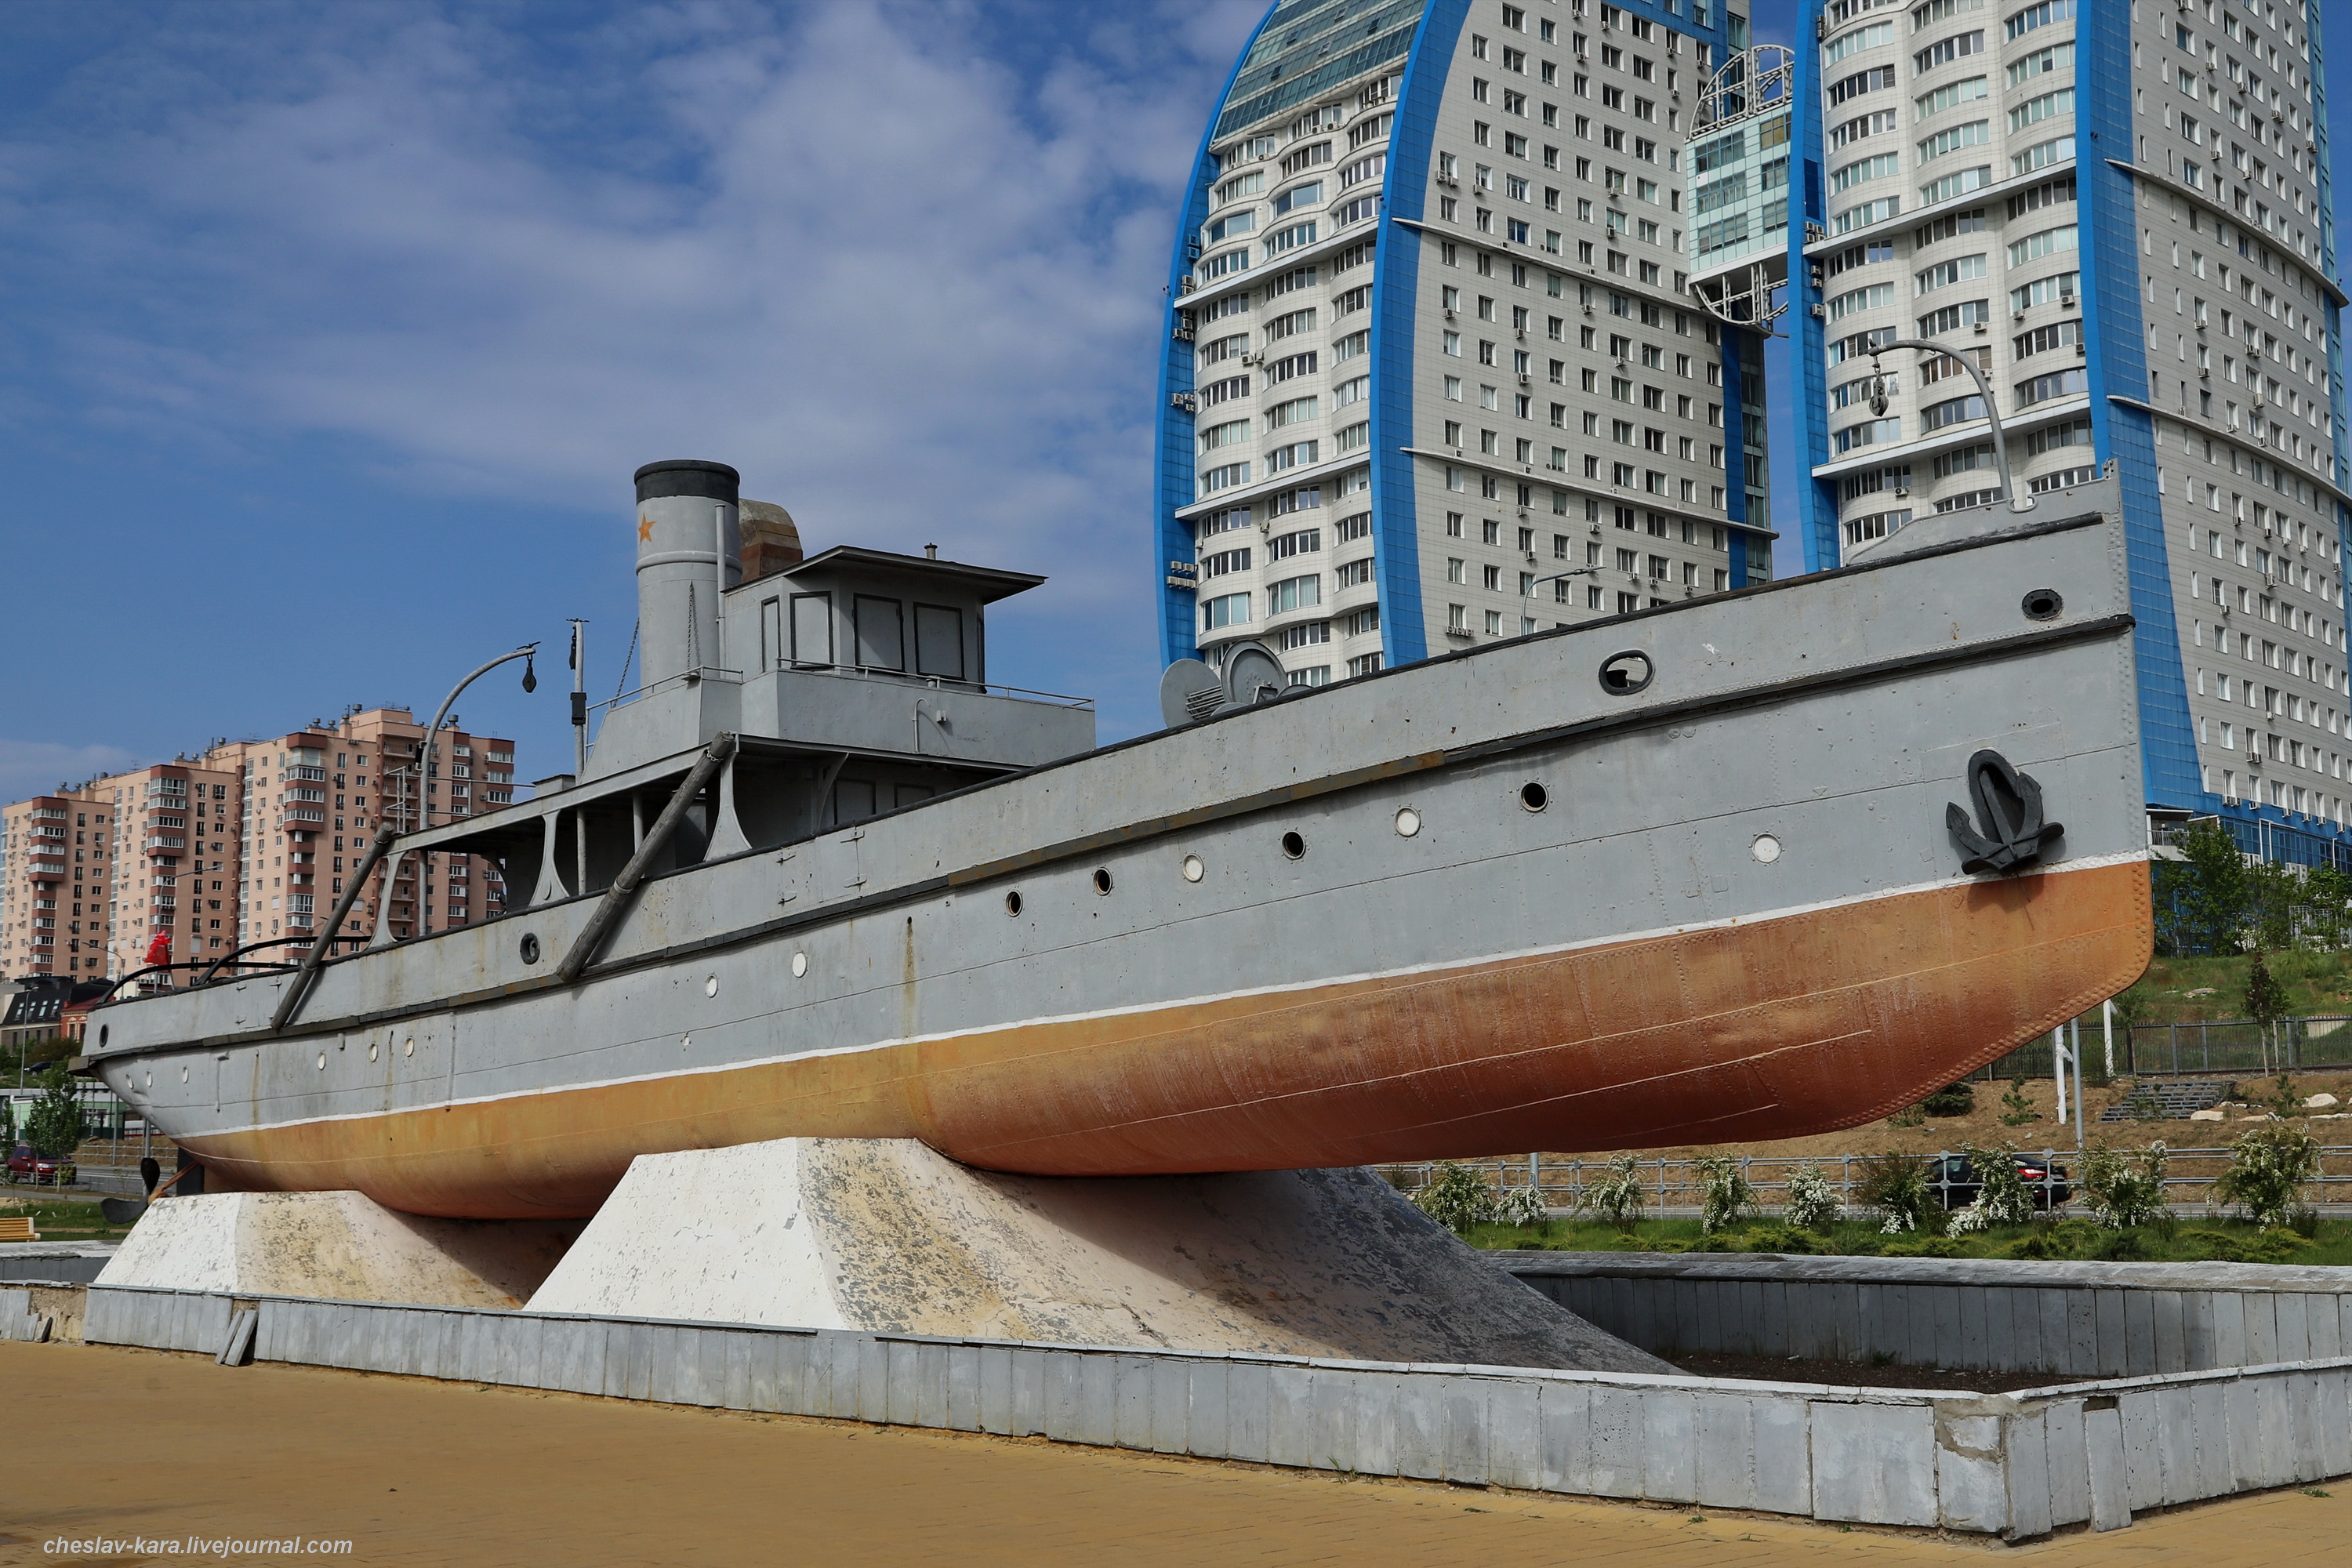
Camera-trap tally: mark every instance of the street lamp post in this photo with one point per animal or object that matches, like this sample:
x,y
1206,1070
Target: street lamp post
x,y
1528,593
1984,390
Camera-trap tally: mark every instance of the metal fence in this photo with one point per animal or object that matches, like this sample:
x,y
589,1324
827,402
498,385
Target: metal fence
x,y
2230,1046
1672,1183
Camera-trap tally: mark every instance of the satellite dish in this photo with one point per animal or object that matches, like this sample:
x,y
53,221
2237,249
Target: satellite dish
x,y
1189,692
1253,676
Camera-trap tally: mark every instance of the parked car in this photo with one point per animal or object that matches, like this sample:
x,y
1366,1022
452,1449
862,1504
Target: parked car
x,y
1956,1179
23,1165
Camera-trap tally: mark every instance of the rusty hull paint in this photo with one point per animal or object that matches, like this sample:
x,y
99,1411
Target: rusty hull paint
x,y
1775,1028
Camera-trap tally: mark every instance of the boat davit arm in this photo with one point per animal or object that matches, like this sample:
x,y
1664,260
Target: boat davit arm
x,y
300,986
624,886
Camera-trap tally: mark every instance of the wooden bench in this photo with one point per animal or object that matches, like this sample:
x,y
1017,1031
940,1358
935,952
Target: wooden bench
x,y
19,1229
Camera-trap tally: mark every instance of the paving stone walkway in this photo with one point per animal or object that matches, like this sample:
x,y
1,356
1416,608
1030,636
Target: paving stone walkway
x,y
428,1473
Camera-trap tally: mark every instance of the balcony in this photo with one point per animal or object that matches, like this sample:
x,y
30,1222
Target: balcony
x,y
165,841
300,817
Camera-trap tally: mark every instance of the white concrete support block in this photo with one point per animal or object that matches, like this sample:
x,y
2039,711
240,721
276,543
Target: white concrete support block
x,y
2028,1445
1971,1470
1874,1464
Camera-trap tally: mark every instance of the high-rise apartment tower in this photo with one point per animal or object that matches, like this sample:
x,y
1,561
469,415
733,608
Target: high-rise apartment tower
x,y
1432,373
2117,211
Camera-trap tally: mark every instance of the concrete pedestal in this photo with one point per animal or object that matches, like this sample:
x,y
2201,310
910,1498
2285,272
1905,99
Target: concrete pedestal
x,y
339,1245
888,1237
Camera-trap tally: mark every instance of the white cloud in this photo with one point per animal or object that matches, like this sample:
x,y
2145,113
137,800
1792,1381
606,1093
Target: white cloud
x,y
912,289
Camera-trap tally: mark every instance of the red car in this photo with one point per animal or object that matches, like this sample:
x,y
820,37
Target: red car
x,y
23,1165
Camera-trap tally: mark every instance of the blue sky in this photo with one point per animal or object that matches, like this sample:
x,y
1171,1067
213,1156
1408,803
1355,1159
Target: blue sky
x,y
331,335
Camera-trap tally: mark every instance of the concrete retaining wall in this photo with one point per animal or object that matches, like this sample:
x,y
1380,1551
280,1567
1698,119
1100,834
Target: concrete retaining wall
x,y
2013,1466
2069,1320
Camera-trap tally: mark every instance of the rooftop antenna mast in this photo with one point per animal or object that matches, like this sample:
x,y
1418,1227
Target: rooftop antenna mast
x,y
579,698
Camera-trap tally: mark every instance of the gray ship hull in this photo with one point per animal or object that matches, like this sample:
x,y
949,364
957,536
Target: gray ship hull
x,y
1731,906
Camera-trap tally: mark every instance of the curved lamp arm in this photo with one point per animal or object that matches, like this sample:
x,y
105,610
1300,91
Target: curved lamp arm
x,y
1992,410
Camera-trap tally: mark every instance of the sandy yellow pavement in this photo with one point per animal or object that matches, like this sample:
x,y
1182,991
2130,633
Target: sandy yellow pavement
x,y
161,1446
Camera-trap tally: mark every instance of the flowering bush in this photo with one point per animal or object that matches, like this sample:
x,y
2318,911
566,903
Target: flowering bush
x,y
2003,1199
1811,1201
2124,1192
1521,1206
1617,1197
1454,1198
1725,1198
2267,1169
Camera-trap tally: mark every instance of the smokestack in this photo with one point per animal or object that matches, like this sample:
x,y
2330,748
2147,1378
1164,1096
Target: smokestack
x,y
772,542
687,534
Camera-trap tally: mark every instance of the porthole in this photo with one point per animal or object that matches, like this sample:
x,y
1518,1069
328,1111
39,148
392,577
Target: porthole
x,y
1292,845
1623,674
103,1030
1193,869
1766,848
371,1050
184,1075
1102,879
1408,822
530,947
2043,605
1012,904
323,1061
409,1049
800,964
710,985
1533,796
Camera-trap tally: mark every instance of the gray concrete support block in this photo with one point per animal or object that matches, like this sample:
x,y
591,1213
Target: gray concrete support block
x,y
2082,1348
1131,1388
1564,1414
1874,1464
1465,1429
873,1380
2102,1448
2139,1332
1618,1419
1098,1400
931,1395
901,1362
2107,1326
2028,1445
963,1388
1696,1321
2325,1322
1971,1475
1289,1416
1777,1321
1747,1335
2229,1328
1652,1327
2070,1475
740,1349
1376,1422
1333,1395
2242,1408
1973,1346
2171,1342
2333,1401
2143,1457
2176,1446
1421,1430
995,1373
1783,1455
1669,1445
1249,1409
1944,1315
2058,1347
1515,1434
2262,1329
2217,1472
1171,1404
1064,1394
2274,1449
2201,1347
1204,1415
2294,1341
1724,1464
2302,1395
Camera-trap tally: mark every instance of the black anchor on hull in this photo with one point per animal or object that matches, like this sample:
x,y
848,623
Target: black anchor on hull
x,y
2009,805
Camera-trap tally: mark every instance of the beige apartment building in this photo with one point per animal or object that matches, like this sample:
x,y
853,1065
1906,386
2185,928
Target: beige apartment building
x,y
248,843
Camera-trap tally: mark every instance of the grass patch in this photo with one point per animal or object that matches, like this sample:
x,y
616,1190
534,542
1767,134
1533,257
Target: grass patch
x,y
2179,1240
61,1219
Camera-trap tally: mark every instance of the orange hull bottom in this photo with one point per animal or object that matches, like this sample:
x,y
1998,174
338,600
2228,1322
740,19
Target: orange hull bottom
x,y
1788,1026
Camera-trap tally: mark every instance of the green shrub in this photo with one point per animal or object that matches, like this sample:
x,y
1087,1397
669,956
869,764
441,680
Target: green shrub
x,y
1922,1247
2039,1244
2016,1109
1774,1237
1726,1199
2268,1168
1455,1199
1617,1197
1521,1205
2125,1192
1952,1099
1897,1186
53,1126
2121,1247
2003,1199
1909,1115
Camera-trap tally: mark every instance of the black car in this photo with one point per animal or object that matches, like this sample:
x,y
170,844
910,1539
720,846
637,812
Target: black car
x,y
1955,1179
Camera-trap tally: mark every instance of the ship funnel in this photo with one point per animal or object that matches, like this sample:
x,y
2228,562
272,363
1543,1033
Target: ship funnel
x,y
688,550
